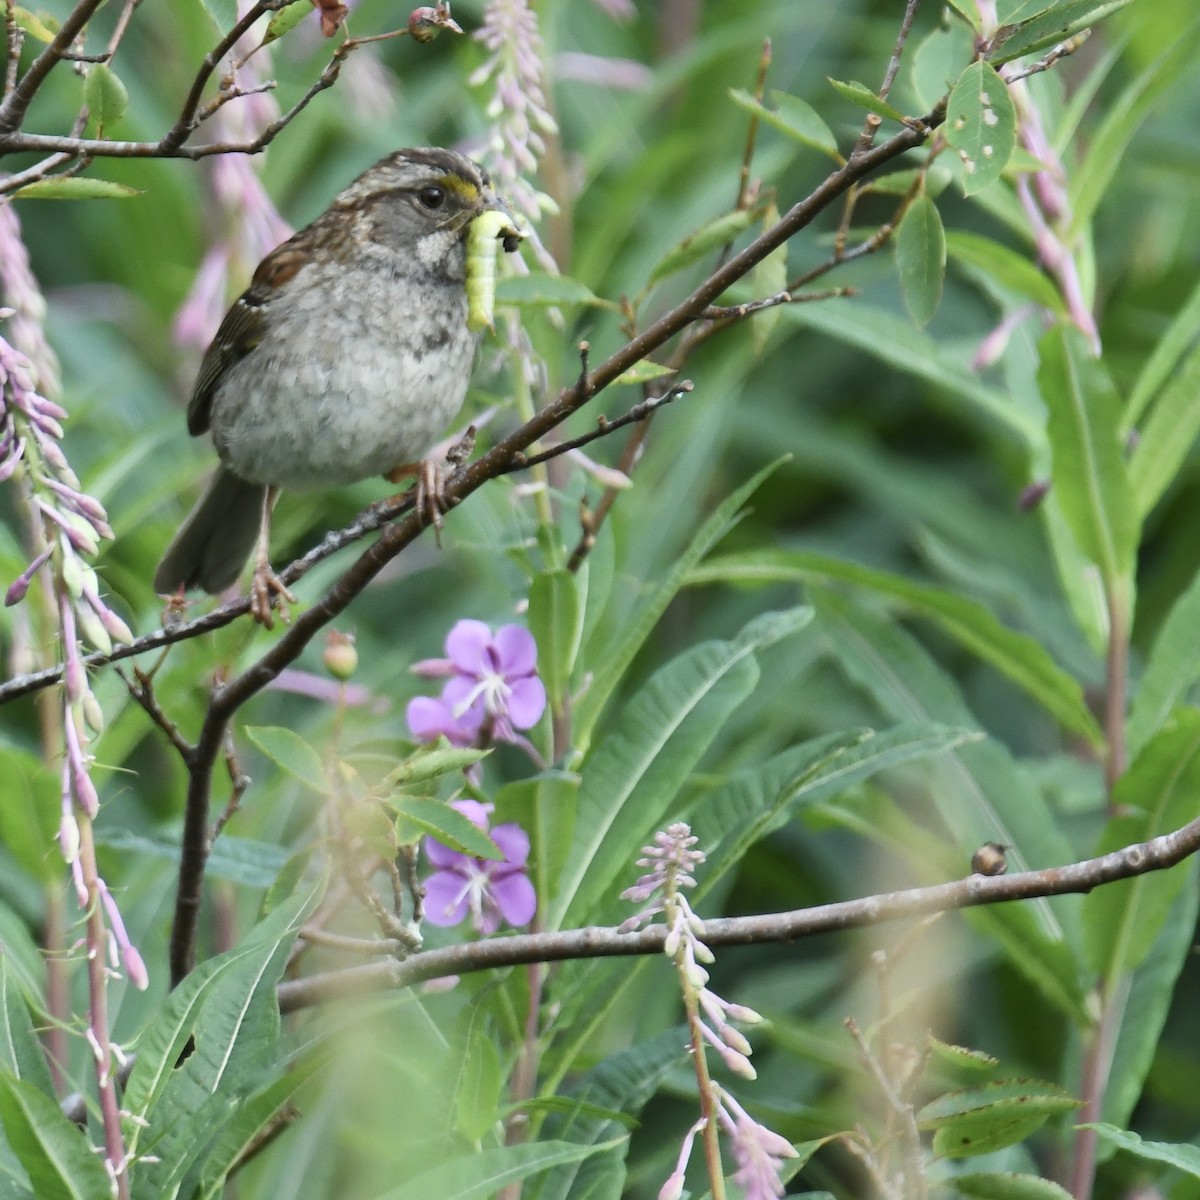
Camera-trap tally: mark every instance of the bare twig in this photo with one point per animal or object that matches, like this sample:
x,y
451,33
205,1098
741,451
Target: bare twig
x,y
1140,858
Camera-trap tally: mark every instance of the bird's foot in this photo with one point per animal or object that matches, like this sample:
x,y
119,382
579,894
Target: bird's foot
x,y
269,594
429,493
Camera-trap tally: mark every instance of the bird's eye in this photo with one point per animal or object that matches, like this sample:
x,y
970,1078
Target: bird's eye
x,y
432,197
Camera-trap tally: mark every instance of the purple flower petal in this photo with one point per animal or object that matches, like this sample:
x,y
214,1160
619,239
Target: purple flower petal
x,y
427,718
456,696
476,813
467,645
444,857
527,702
515,897
516,650
513,842
445,898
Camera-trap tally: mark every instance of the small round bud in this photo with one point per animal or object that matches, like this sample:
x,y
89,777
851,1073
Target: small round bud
x,y
989,859
340,657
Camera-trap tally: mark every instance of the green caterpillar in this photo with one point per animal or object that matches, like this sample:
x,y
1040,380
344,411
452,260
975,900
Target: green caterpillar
x,y
486,230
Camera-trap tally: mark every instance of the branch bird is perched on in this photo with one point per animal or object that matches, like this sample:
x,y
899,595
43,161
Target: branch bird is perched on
x,y
347,356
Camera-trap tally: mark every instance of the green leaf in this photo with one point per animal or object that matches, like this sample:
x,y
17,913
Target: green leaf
x,y
761,799
556,622
538,289
479,1080
286,19
864,97
75,187
981,124
21,1054
921,259
1013,12
992,1115
1182,1156
105,96
1005,266
632,776
253,1117
643,371
1155,795
1167,436
768,278
41,26
239,860
707,238
485,1173
432,762
1009,1186
55,1153
613,666
960,1057
443,823
1090,480
1016,655
1051,27
1172,667
793,117
939,60
29,814
1175,342
892,340
287,749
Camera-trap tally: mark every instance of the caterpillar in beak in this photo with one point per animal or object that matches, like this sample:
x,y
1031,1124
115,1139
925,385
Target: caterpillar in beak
x,y
486,230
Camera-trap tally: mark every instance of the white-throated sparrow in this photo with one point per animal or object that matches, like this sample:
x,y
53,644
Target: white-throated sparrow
x,y
347,356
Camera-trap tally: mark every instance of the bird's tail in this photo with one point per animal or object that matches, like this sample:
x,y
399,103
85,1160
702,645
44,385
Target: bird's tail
x,y
217,538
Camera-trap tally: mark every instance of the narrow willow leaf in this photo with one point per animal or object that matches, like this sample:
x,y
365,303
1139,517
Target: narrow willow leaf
x,y
706,239
539,290
921,259
768,278
287,749
487,1172
286,19
1157,794
556,622
447,825
1175,342
432,762
793,117
1051,27
1013,12
1147,1004
105,96
1005,266
892,340
981,124
643,371
1167,435
1171,668
40,26
77,187
992,1115
1018,656
479,1081
21,1054
1003,1185
53,1150
659,737
1091,482
864,97
1183,1157
611,669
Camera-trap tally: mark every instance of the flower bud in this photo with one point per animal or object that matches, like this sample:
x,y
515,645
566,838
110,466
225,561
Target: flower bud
x,y
68,836
93,714
340,657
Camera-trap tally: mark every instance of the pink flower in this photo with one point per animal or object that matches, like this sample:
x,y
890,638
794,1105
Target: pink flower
x,y
493,683
489,890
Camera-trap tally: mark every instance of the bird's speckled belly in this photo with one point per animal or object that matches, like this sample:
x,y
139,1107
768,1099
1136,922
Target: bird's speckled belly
x,y
379,393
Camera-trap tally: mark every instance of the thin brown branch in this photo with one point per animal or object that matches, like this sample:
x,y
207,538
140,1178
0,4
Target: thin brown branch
x,y
16,103
1158,854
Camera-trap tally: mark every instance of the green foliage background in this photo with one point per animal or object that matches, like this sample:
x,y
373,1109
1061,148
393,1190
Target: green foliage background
x,y
900,459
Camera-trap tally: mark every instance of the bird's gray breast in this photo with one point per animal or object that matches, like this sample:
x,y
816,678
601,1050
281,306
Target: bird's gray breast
x,y
359,370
